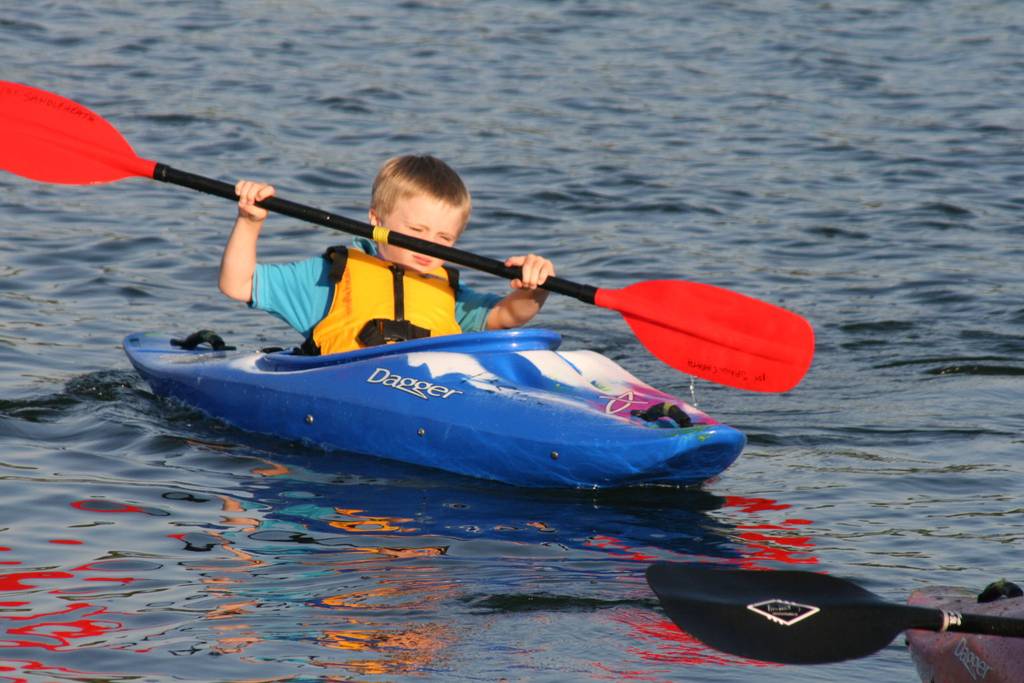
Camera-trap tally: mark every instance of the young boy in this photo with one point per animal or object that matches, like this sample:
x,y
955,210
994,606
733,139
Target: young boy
x,y
353,298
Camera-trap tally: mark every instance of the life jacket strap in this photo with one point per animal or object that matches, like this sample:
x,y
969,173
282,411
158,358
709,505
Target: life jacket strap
x,y
338,258
397,275
309,347
453,277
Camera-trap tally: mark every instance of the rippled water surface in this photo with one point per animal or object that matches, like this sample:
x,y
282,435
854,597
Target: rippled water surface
x,y
858,162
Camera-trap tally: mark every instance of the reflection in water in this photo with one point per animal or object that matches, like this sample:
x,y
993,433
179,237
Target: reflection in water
x,y
44,611
356,522
661,641
396,646
362,581
356,567
389,614
771,542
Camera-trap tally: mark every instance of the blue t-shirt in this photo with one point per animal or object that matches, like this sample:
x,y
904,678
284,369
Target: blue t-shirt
x,y
300,293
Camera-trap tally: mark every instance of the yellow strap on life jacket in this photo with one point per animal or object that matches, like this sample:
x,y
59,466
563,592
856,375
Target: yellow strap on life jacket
x,y
366,292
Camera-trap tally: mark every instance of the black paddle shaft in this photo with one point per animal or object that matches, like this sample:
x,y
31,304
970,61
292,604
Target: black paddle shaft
x,y
164,173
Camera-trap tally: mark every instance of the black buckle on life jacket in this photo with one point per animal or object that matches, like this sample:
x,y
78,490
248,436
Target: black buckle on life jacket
x,y
383,331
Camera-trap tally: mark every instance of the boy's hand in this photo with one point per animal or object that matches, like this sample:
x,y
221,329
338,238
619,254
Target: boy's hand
x,y
249,192
525,299
536,269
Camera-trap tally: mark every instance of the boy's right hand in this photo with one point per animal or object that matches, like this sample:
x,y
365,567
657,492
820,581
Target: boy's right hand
x,y
249,192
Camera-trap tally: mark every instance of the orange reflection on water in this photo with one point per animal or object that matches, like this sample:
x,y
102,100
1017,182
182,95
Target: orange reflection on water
x,y
406,553
272,469
408,592
234,507
363,599
404,591
360,523
220,581
406,650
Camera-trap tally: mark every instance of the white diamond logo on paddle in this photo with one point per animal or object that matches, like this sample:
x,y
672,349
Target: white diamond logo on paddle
x,y
783,612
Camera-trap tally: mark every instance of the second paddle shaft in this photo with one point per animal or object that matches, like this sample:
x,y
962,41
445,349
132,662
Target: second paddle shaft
x,y
162,172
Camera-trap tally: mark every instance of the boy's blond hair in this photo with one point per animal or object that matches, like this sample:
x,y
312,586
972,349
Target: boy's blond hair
x,y
405,176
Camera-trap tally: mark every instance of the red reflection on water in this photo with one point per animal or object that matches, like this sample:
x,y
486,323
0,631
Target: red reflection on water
x,y
664,642
753,505
31,618
15,582
7,562
618,547
53,634
27,665
610,674
23,625
763,539
105,506
771,542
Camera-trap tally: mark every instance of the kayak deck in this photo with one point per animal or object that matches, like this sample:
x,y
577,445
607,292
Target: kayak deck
x,y
505,405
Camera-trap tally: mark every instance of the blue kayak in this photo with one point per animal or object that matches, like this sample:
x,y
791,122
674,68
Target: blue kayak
x,y
506,406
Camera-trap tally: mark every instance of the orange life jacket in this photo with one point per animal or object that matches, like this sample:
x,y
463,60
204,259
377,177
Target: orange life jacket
x,y
377,302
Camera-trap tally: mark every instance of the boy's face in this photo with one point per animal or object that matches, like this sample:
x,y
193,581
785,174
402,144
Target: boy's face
x,y
423,217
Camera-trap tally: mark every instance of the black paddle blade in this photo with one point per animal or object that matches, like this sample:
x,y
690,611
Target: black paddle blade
x,y
787,617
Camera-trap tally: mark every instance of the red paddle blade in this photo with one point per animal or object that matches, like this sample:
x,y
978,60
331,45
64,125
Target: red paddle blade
x,y
47,137
717,334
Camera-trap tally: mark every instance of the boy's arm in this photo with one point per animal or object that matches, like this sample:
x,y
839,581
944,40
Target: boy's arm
x,y
238,263
526,299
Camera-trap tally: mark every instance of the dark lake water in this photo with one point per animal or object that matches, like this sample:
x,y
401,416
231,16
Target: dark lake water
x,y
858,162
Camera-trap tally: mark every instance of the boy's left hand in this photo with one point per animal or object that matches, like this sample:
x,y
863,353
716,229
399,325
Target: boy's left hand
x,y
535,270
